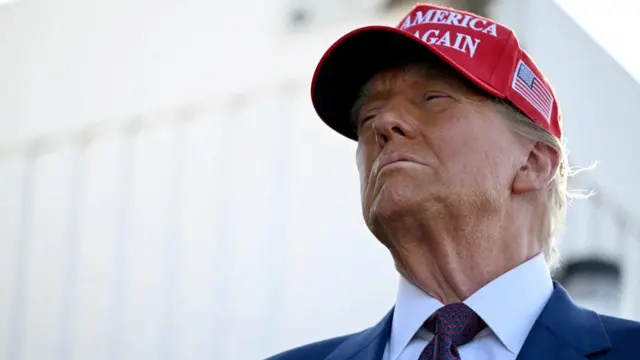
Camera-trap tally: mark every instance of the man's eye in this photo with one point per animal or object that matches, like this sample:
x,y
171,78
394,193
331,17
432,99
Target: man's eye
x,y
366,118
428,97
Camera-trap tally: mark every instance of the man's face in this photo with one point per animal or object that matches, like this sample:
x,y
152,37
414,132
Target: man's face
x,y
443,143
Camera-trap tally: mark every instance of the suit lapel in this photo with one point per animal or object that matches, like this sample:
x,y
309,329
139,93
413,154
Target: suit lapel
x,y
366,345
564,331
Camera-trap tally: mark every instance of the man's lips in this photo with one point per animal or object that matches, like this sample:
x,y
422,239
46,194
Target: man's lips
x,y
389,159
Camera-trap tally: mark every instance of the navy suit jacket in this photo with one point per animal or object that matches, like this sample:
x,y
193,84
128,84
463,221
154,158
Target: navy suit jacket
x,y
563,331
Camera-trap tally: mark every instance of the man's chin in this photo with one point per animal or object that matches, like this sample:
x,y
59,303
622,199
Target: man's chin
x,y
384,217
390,207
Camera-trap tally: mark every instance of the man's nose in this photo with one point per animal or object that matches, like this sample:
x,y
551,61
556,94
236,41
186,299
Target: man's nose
x,y
392,124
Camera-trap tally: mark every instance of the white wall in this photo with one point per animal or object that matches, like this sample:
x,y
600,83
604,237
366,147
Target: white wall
x,y
79,61
208,234
188,241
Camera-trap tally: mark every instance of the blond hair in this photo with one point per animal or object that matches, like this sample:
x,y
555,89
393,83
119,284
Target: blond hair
x,y
558,193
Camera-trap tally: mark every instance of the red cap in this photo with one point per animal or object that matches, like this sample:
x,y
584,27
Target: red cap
x,y
485,52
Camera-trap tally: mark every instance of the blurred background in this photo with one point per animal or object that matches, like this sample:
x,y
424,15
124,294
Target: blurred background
x,y
167,191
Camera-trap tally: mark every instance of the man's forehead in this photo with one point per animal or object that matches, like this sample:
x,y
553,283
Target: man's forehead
x,y
407,75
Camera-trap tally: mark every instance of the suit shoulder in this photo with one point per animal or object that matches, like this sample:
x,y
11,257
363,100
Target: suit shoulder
x,y
619,325
622,332
313,351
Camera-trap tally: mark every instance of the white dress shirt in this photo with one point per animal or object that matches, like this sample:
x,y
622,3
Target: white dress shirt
x,y
509,305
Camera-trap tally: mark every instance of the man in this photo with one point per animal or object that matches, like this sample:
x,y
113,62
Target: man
x,y
463,177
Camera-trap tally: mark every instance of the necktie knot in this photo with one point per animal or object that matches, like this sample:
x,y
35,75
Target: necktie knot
x,y
457,322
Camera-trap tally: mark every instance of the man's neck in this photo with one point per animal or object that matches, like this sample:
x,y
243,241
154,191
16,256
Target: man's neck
x,y
450,260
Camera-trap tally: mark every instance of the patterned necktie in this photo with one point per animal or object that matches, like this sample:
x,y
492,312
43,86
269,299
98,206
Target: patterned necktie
x,y
453,326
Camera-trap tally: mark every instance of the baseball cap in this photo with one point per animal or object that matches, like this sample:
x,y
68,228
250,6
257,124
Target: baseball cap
x,y
483,51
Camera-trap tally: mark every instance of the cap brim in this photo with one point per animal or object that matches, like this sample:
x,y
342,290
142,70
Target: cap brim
x,y
356,57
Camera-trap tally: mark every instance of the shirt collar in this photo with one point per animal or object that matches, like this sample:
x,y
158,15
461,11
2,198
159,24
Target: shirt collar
x,y
509,305
413,307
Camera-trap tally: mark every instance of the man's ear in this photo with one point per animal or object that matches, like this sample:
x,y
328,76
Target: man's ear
x,y
538,170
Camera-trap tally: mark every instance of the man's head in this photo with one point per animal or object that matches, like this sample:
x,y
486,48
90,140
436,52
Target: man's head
x,y
454,121
449,145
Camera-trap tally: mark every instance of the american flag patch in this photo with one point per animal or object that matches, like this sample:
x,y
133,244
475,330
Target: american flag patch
x,y
527,84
